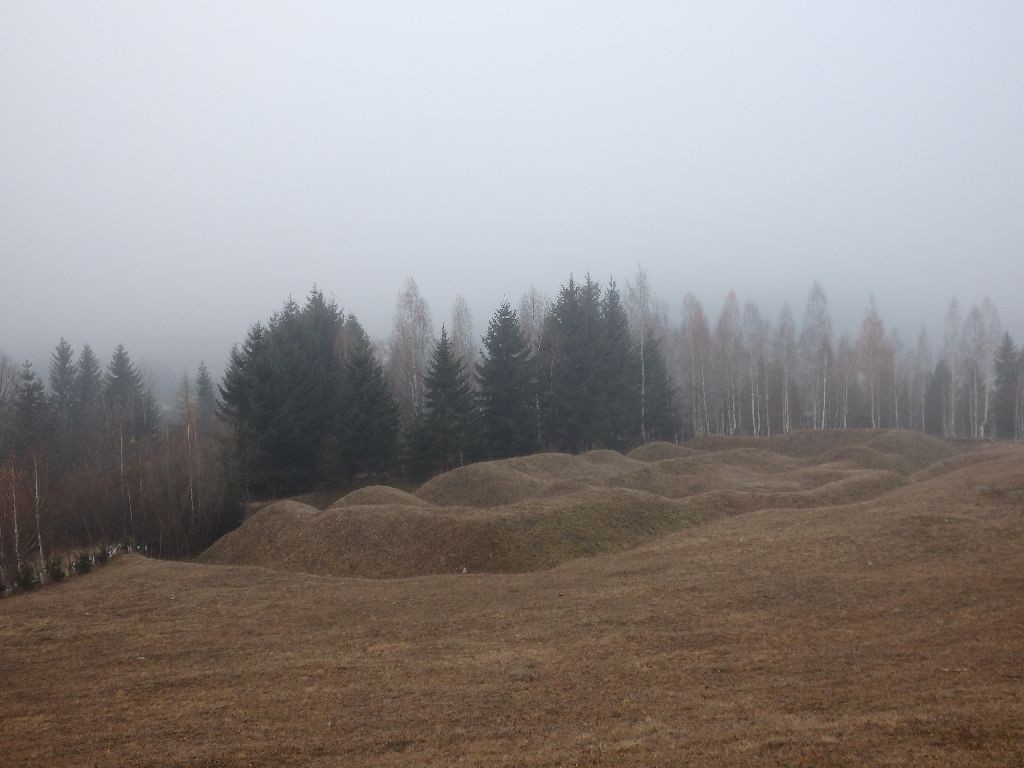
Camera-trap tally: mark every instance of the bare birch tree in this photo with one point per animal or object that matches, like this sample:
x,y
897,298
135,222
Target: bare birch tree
x,y
785,352
871,353
463,342
408,351
922,367
756,334
816,351
638,307
697,339
951,353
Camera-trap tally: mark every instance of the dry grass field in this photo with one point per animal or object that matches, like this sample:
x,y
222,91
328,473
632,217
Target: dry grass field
x,y
816,599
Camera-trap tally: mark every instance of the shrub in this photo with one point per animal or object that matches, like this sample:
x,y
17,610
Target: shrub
x,y
83,562
55,569
27,578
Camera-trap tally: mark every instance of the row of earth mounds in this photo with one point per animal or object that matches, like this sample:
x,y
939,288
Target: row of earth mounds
x,y
538,511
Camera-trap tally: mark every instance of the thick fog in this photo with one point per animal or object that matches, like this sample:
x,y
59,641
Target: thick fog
x,y
170,172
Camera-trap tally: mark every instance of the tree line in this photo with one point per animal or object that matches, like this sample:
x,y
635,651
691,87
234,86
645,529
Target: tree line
x,y
92,460
308,400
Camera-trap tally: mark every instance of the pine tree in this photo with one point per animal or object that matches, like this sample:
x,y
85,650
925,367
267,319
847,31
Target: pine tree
x,y
618,379
122,385
507,404
571,392
32,418
445,432
369,419
1007,369
206,399
662,417
88,390
62,385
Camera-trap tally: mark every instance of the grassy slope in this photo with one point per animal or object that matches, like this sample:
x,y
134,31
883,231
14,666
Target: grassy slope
x,y
882,633
538,511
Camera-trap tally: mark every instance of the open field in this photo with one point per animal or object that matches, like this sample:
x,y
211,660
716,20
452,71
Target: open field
x,y
817,599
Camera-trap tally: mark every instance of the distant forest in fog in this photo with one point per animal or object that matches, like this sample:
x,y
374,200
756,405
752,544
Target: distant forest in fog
x,y
309,402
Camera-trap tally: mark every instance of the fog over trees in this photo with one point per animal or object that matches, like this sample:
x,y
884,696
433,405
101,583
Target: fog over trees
x,y
308,402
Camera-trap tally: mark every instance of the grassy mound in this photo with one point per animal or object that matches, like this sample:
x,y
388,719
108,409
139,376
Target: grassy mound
x,y
374,495
658,451
537,511
488,484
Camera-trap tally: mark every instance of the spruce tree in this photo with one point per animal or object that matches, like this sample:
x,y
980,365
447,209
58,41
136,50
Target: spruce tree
x,y
32,418
368,414
507,406
662,417
619,379
122,393
1007,369
206,399
444,435
572,393
62,385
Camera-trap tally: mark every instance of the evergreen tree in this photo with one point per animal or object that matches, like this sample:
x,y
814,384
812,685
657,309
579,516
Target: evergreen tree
x,y
31,411
206,399
507,405
618,382
663,422
444,434
122,383
88,390
282,395
572,394
62,385
1007,369
368,414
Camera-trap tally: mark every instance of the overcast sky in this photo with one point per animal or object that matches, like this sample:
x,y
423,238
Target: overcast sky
x,y
171,171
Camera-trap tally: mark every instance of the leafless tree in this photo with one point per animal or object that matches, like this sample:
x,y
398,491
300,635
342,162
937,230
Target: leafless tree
x,y
785,352
463,342
534,307
951,352
696,337
638,307
408,350
816,351
872,350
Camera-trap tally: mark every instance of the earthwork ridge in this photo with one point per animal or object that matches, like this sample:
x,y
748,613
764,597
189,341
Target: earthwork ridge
x,y
538,511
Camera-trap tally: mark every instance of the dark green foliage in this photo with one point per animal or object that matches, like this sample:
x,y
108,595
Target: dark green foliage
x,y
618,382
206,397
283,393
589,372
445,433
368,414
661,416
129,403
87,392
571,392
122,383
62,386
1006,394
507,396
32,416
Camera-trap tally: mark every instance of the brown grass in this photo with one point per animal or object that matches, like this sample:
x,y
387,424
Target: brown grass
x,y
881,632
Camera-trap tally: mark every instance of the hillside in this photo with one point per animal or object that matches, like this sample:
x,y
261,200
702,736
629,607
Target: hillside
x,y
835,625
538,511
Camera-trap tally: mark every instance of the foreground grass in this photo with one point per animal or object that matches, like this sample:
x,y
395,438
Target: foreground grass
x,y
886,632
